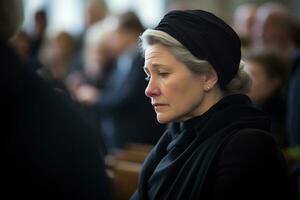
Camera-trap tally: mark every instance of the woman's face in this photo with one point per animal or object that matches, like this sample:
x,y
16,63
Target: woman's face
x,y
176,93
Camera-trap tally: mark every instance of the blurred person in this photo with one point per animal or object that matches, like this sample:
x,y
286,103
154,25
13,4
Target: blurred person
x,y
293,96
48,151
39,32
94,11
86,85
243,21
57,56
98,55
23,45
269,73
178,5
293,116
126,116
274,28
218,145
277,29
98,63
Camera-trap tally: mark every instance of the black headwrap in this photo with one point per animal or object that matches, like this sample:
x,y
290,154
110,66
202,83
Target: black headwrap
x,y
208,38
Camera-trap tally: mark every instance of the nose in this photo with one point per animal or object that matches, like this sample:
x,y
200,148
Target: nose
x,y
152,89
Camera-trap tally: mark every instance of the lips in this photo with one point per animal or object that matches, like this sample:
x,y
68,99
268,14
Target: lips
x,y
158,104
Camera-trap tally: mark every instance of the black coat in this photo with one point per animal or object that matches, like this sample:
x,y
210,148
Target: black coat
x,y
48,151
226,153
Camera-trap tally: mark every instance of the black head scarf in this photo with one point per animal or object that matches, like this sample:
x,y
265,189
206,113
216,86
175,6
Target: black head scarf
x,y
208,38
178,166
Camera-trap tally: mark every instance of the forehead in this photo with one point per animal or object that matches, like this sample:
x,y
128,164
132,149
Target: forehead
x,y
158,52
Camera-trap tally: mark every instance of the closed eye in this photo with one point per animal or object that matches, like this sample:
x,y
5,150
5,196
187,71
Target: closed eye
x,y
163,74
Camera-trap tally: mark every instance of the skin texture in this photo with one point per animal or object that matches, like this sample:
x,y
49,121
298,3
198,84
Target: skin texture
x,y
176,93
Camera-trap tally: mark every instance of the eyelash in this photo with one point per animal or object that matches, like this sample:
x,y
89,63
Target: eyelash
x,y
162,74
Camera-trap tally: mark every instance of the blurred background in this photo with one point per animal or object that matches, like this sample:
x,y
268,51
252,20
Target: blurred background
x,y
150,11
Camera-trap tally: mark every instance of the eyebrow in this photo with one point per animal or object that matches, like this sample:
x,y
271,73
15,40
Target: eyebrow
x,y
155,66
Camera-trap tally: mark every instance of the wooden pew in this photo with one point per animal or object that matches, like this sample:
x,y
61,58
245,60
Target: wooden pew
x,y
125,179
123,168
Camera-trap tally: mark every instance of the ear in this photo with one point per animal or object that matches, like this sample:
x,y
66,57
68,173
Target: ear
x,y
211,79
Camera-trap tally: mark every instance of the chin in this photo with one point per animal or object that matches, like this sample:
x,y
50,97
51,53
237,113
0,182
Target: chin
x,y
163,119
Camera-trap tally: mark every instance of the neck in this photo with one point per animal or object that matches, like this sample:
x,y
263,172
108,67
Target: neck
x,y
210,98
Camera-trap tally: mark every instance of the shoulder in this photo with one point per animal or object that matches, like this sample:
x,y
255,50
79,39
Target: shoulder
x,y
253,147
250,164
255,156
258,141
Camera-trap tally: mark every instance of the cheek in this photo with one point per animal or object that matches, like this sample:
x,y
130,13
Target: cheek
x,y
180,94
172,91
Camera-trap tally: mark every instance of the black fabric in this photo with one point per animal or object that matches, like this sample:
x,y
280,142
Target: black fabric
x,y
179,165
48,151
275,108
208,38
251,166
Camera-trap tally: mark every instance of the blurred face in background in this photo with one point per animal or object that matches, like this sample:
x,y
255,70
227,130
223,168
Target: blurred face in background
x,y
122,39
263,86
97,57
22,43
244,19
176,93
61,47
272,28
57,54
95,11
272,33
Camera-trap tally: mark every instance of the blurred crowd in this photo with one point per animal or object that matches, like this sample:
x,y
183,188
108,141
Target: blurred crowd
x,y
270,38
102,70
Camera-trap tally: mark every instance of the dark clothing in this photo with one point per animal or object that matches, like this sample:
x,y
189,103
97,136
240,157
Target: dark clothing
x,y
293,117
127,115
46,75
226,153
275,108
36,44
293,103
48,151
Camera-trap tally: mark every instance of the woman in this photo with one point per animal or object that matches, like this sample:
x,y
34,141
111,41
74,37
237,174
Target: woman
x,y
218,145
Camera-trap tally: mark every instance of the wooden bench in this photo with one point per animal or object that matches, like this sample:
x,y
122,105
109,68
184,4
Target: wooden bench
x,y
123,169
125,179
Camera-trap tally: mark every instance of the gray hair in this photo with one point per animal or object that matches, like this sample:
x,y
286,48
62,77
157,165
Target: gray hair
x,y
11,17
239,84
